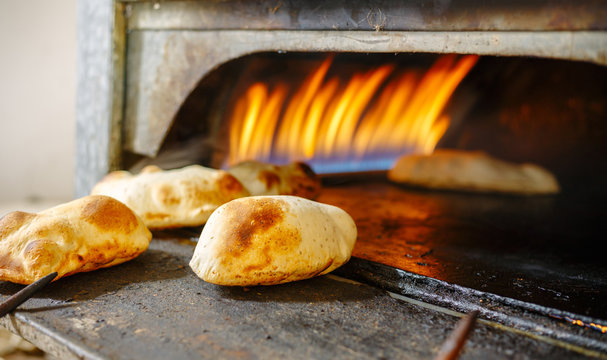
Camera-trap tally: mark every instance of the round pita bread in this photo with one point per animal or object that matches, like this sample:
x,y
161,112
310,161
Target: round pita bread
x,y
265,240
472,171
83,235
172,198
259,178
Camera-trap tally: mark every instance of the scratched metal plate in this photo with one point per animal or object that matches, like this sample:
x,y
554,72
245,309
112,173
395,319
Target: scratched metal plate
x,y
154,307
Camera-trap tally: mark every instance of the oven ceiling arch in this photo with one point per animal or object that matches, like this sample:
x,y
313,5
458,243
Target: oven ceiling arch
x,y
158,61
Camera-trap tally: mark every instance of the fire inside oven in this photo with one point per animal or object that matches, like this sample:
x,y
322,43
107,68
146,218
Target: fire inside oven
x,y
350,116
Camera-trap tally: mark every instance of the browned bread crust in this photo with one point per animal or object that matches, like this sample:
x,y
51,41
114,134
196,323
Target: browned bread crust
x,y
172,198
265,240
259,178
83,235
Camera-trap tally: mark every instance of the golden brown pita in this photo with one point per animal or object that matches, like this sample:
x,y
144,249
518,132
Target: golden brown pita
x,y
172,198
472,171
260,178
265,240
83,235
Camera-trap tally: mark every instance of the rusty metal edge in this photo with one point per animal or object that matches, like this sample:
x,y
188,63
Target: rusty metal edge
x,y
501,327
516,314
118,86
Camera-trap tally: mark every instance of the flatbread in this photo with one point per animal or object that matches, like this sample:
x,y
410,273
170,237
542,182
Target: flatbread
x,y
266,240
83,235
260,178
172,198
472,171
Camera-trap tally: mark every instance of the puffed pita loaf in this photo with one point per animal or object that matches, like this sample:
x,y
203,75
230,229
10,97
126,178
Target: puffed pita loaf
x,y
266,240
260,178
83,235
472,171
172,198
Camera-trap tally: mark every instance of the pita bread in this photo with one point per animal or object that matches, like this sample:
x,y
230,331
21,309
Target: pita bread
x,y
83,235
259,178
266,240
472,171
172,198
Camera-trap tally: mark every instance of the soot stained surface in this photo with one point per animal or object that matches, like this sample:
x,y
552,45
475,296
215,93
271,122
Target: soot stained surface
x,y
155,307
545,250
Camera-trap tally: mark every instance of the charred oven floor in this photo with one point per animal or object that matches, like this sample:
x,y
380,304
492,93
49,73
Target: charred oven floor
x,y
542,250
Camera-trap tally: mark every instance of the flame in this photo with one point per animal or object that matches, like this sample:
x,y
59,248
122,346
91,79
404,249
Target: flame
x,y
376,116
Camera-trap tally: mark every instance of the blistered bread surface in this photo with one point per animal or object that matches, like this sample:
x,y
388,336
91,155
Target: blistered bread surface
x,y
83,235
265,240
172,198
472,171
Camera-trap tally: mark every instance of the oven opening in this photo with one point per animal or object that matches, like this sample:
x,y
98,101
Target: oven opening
x,y
350,116
344,119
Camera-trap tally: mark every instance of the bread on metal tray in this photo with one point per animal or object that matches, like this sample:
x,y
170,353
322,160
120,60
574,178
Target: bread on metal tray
x,y
261,178
265,240
82,235
172,198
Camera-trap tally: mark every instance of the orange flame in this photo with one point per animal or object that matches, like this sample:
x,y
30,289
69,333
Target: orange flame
x,y
374,114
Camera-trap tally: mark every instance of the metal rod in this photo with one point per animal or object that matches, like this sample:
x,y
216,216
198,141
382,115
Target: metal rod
x,y
455,342
22,295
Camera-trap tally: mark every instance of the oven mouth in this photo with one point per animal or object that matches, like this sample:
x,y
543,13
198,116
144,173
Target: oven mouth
x,y
519,109
343,116
542,250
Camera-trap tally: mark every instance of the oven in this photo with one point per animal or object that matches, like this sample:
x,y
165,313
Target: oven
x,y
175,83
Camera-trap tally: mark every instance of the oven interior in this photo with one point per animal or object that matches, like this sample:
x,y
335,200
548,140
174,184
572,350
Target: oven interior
x,y
544,250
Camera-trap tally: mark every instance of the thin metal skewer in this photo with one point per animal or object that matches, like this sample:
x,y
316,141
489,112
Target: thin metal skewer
x,y
455,342
22,295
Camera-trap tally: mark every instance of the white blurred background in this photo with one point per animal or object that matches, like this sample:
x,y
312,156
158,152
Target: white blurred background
x,y
37,102
37,116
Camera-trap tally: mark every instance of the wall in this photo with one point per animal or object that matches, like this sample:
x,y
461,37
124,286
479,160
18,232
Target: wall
x,y
37,99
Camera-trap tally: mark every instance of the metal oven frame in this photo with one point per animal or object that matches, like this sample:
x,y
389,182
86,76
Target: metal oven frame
x,y
139,60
